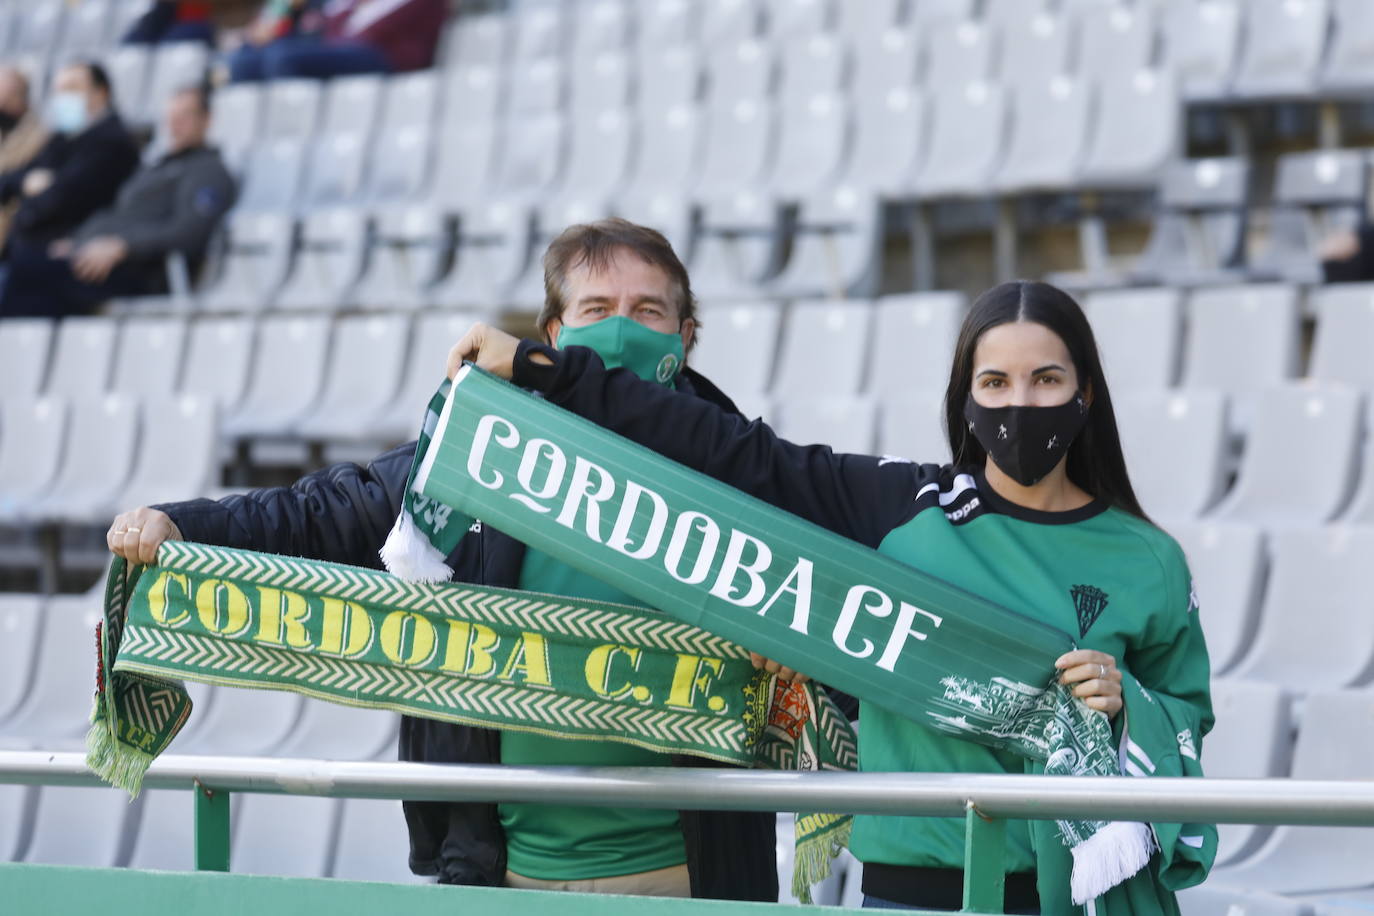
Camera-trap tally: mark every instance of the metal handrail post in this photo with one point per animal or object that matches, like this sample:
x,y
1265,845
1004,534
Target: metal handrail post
x,y
211,815
985,848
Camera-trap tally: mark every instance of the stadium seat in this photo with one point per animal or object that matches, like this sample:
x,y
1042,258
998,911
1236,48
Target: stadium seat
x,y
912,426
1284,44
21,626
669,154
1350,58
601,82
602,146
473,96
926,13
959,53
1139,335
737,248
541,31
434,335
333,731
536,87
824,349
890,136
235,122
1011,14
1342,903
1036,49
846,424
1049,130
1210,899
725,22
241,722
335,171
80,826
667,78
1334,742
1201,41
219,353
40,29
1115,38
790,18
57,708
890,59
967,132
288,835
1242,339
1228,564
365,365
478,40
372,842
465,164
666,23
1176,447
1252,739
601,27
739,356
89,28
178,451
861,23
16,806
812,64
402,152
82,356
1199,228
406,256
176,65
532,155
813,140
1137,130
24,346
288,369
102,444
33,435
739,147
166,831
148,357
913,337
129,68
293,108
668,211
1315,631
492,251
1315,196
1360,509
330,260
272,178
837,246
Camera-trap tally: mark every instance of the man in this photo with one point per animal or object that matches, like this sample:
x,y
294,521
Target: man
x,y
172,205
22,134
78,171
619,289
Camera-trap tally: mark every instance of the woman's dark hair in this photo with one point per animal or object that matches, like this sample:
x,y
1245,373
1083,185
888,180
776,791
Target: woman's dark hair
x,y
1095,461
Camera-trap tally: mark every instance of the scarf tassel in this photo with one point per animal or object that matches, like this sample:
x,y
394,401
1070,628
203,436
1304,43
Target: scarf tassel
x,y
1108,857
408,554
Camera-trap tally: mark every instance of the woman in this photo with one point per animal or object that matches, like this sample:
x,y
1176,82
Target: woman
x,y
1035,513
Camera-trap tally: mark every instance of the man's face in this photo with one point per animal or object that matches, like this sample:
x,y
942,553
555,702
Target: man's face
x,y
77,80
185,122
630,287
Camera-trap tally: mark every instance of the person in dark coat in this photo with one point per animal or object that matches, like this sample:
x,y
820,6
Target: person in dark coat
x,y
171,205
607,284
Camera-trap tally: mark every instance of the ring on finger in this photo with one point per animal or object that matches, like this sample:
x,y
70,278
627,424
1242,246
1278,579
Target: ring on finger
x,y
1101,668
132,530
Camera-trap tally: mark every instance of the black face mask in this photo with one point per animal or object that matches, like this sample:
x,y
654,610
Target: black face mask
x,y
1026,442
7,122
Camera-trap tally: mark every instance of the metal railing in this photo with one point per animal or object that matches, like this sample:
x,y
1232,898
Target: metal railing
x,y
985,801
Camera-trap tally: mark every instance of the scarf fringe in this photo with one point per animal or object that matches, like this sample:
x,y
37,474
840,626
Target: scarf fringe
x,y
408,554
115,762
1108,857
813,856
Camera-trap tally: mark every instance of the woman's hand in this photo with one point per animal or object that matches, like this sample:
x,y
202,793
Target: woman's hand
x,y
491,349
1094,677
783,672
136,535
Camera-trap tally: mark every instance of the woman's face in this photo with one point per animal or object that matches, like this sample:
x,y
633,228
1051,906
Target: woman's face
x,y
1022,364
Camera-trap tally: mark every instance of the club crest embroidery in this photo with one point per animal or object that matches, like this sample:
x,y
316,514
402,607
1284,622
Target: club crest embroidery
x,y
1089,601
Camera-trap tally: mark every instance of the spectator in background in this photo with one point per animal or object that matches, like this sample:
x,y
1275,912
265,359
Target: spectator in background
x,y
22,134
1348,257
340,37
79,169
171,205
173,20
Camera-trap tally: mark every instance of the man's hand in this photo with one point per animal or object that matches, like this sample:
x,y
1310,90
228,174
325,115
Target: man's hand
x,y
37,181
783,672
137,534
94,260
62,248
491,349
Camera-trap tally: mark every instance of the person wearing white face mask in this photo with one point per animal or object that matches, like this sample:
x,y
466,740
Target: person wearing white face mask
x,y
78,171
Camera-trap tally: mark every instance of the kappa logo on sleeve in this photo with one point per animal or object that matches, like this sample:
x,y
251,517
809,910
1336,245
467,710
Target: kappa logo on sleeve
x,y
1089,601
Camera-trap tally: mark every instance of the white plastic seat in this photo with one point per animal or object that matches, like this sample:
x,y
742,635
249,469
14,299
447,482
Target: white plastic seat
x,y
890,59
82,356
289,835
364,373
602,148
465,163
668,77
723,22
128,67
861,21
1335,741
813,140
1137,129
166,831
33,435
1175,445
824,349
747,69
1242,339
669,154
408,245
665,23
837,245
24,346
479,39
789,18
80,826
98,459
812,63
288,369
536,87
333,731
739,147
1228,564
739,356
1201,41
272,177
472,96
88,27
1214,899
148,361
1198,236
601,26
926,13
959,53
912,426
666,210
967,132
21,624
1350,58
241,722
175,66
890,135
1115,38
1037,49
913,337
41,26
1139,335
372,842
330,260
1048,135
335,170
1013,13
601,82
846,424
293,109
492,250
219,353
1316,195
1284,44
178,451
402,153
1314,638
532,155
434,335
57,707
238,114
540,31
737,247
15,804
1360,510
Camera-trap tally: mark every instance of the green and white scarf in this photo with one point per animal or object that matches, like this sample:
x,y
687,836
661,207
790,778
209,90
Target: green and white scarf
x,y
495,658
730,564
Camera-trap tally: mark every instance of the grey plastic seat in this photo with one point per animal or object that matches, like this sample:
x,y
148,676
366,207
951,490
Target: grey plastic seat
x,y
40,28
21,625
601,151
812,63
1116,38
602,26
176,65
1334,742
272,178
912,426
1350,58
333,731
540,31
813,140
129,68
402,148
1176,448
33,435
1048,135
669,155
601,82
1285,41
289,835
532,156
351,397
913,337
219,352
536,87
178,451
824,349
478,39
238,114
492,250
862,21
747,69
1315,196
724,22
166,833
57,707
83,354
1214,899
1228,564
407,248
24,346
465,163
890,136
1201,41
665,209
667,77
846,424
738,147
738,358
1242,339
98,459
148,361
1361,507
16,802
890,59
1037,49
1012,13
434,335
666,23
288,369
89,27
789,18
330,260
1199,231
1139,335
293,109
1137,129
1319,428
959,53
1313,639
335,170
80,826
926,13
837,246
473,94
738,246
967,132
372,842
241,722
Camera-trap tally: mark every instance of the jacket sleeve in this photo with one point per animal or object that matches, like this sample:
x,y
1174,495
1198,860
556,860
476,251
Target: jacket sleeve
x,y
92,175
341,514
203,196
861,497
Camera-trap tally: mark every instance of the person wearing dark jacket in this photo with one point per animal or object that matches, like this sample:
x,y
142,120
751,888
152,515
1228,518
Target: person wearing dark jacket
x,y
171,205
620,289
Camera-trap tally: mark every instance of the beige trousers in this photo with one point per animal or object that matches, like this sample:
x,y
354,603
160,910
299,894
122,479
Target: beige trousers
x,y
662,882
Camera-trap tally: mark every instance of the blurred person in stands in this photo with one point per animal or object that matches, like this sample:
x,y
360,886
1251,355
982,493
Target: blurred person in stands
x,y
78,171
22,134
171,205
619,289
1348,256
305,38
173,20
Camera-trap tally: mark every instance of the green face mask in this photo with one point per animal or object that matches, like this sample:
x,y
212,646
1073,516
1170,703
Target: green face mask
x,y
622,342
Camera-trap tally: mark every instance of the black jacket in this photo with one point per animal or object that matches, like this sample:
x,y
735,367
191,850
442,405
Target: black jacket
x,y
343,514
87,168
